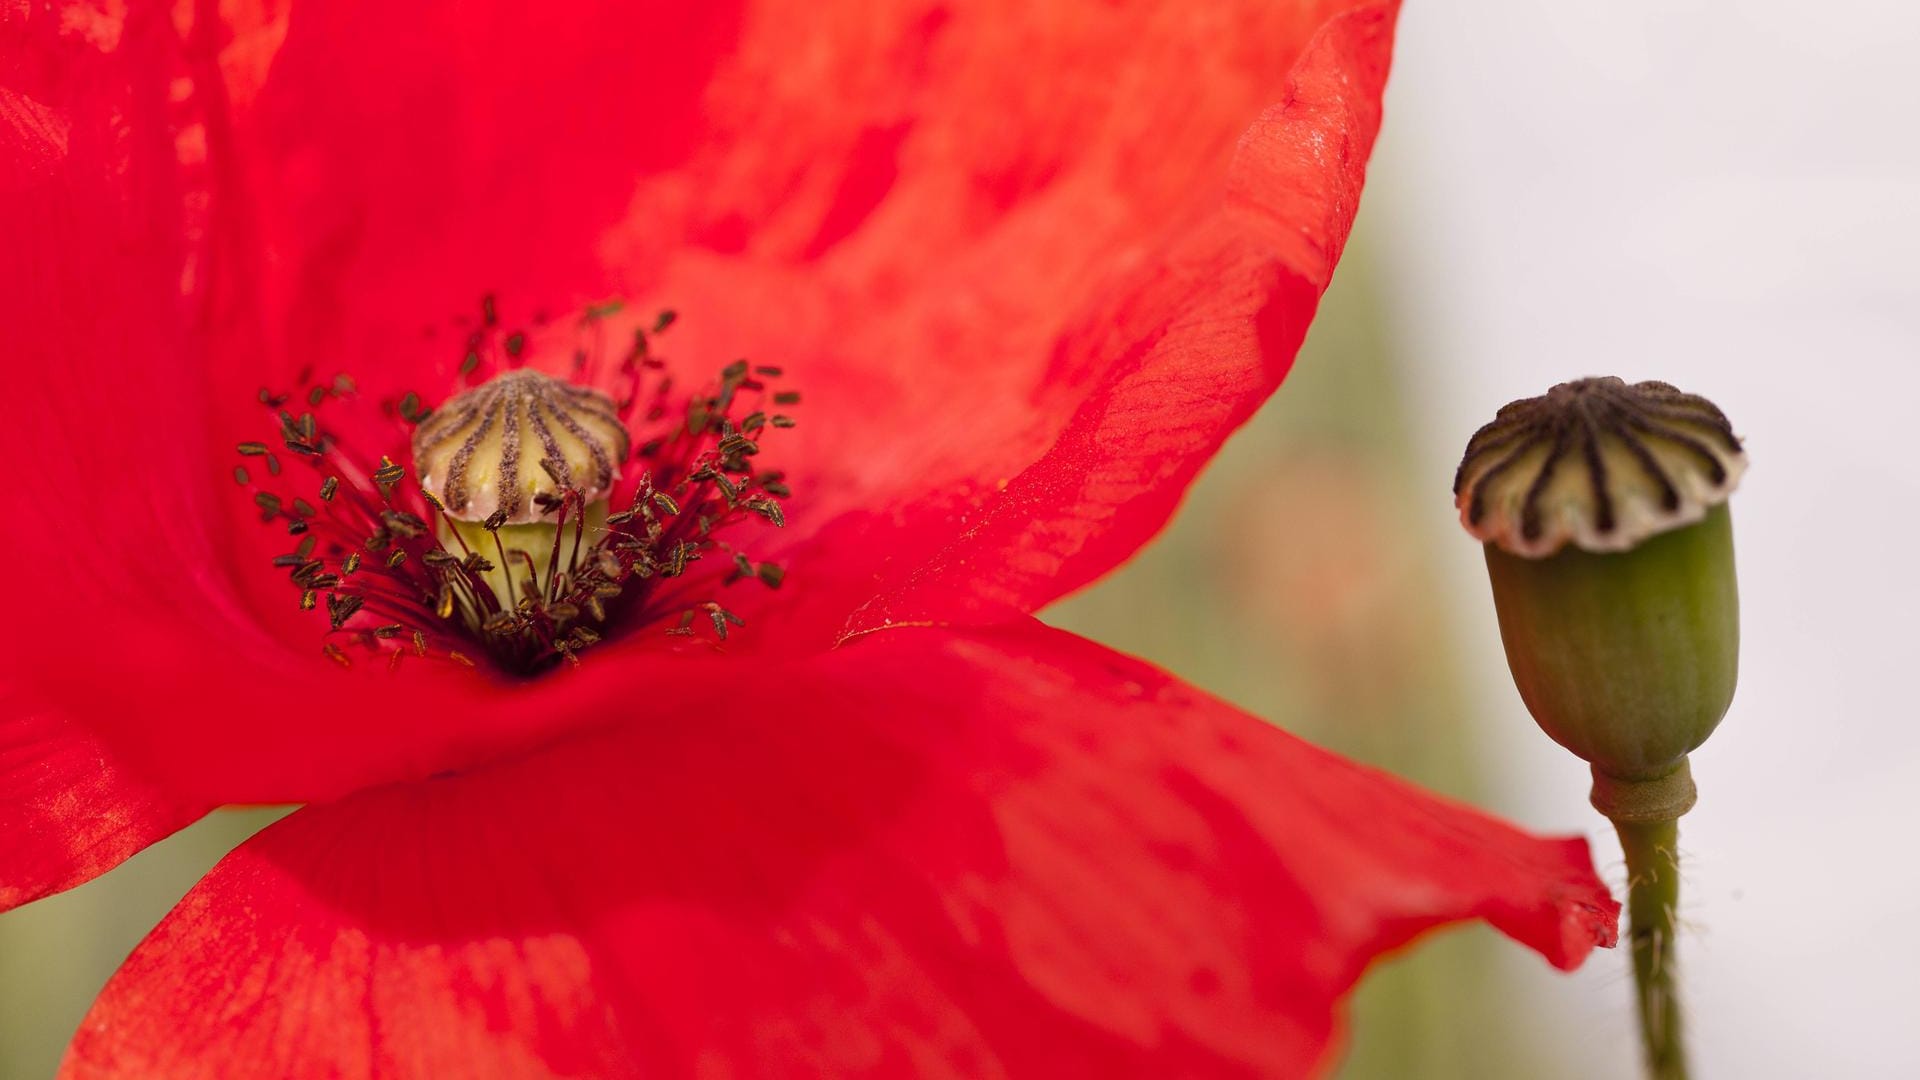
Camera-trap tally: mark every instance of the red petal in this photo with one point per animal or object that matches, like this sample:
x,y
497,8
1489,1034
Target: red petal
x,y
1178,356
131,637
1012,375
1024,311
968,269
68,810
93,546
928,854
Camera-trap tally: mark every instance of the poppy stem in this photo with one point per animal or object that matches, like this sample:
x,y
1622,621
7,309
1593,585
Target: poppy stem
x,y
1653,898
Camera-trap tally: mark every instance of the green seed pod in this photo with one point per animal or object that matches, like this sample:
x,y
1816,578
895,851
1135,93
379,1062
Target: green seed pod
x,y
1610,549
1628,659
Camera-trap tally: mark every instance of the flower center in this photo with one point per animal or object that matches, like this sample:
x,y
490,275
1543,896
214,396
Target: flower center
x,y
535,528
499,462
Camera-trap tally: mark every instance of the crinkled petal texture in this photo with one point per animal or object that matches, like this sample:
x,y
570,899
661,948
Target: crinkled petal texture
x,y
69,811
1023,310
1028,265
933,853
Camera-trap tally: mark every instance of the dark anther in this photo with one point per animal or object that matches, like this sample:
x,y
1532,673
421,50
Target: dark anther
x,y
615,568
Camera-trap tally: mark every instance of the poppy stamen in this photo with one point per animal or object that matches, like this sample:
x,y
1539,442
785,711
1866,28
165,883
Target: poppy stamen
x,y
527,465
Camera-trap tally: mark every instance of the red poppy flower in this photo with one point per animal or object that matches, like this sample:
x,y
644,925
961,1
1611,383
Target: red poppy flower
x,y
1028,263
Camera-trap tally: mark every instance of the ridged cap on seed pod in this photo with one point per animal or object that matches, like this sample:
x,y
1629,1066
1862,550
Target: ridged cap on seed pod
x,y
501,446
1597,463
1602,510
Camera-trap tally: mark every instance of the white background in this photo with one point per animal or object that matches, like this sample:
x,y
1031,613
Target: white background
x,y
1727,197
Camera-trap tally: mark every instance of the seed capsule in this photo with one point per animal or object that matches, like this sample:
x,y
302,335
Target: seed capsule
x,y
1609,545
499,459
501,446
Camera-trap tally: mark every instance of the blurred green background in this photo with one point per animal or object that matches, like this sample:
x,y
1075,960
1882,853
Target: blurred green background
x,y
1325,622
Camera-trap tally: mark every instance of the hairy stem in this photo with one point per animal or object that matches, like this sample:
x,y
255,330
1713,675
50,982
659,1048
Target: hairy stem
x,y
1653,898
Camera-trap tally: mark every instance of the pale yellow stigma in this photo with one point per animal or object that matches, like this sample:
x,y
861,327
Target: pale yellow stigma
x,y
509,448
499,460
